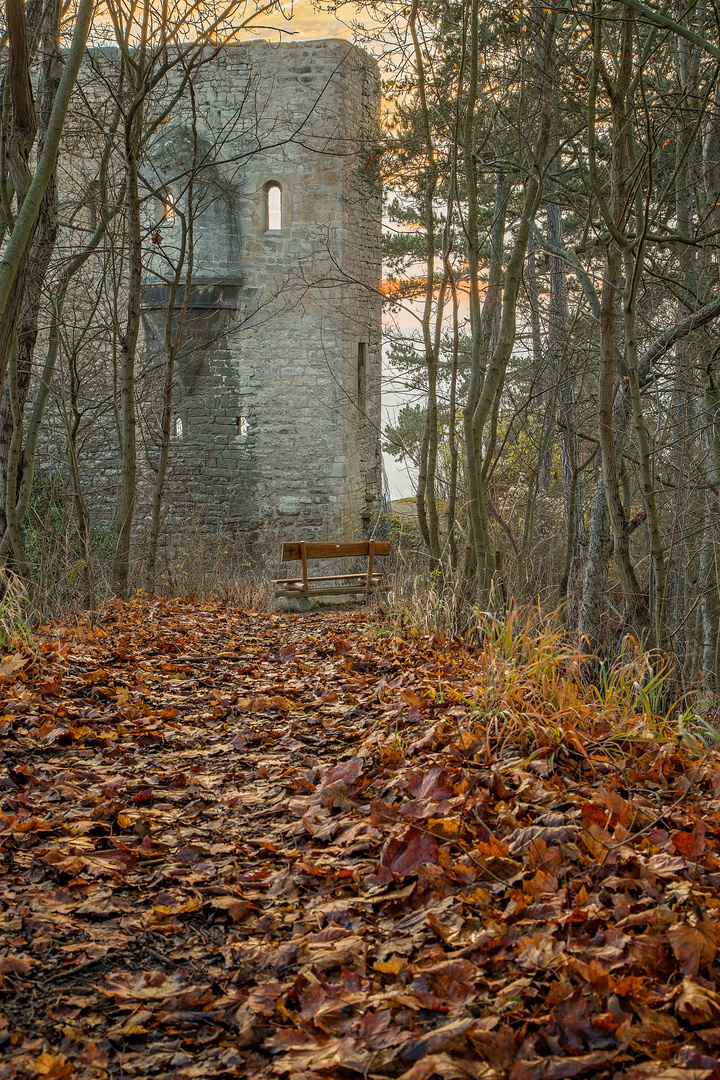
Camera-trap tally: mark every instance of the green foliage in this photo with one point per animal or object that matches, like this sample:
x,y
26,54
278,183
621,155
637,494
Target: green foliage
x,y
403,439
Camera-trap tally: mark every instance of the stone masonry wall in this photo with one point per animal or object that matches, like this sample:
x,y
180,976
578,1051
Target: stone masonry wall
x,y
277,398
307,461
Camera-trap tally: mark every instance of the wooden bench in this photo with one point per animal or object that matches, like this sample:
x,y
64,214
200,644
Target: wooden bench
x,y
317,586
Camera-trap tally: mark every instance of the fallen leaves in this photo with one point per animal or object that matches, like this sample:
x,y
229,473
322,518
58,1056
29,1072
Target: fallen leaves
x,y
10,664
269,846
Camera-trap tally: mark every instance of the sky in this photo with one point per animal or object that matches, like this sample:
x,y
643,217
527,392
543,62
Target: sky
x,y
306,22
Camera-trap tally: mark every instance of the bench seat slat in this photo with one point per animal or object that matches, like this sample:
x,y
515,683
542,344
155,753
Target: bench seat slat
x,y
291,552
330,577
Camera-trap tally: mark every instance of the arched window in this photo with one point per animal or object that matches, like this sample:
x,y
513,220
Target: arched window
x,y
273,207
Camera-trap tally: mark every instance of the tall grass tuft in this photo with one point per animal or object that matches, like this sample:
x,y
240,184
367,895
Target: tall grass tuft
x,y
538,695
15,613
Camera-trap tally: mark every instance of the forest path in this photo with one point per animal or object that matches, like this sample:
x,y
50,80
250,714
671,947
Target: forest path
x,y
274,845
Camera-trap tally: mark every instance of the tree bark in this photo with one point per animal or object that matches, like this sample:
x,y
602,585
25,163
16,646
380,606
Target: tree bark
x,y
636,615
41,252
13,263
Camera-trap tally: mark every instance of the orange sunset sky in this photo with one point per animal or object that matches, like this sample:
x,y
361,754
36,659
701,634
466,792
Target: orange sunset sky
x,y
306,22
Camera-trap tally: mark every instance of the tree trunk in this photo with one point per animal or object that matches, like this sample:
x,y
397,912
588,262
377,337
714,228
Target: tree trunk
x,y
125,505
636,614
425,497
173,344
41,252
15,257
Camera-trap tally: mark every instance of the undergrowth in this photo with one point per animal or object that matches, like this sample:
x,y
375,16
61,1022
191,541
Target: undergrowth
x,y
15,613
541,696
218,565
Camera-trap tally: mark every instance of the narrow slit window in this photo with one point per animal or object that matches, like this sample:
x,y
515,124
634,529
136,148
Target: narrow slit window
x,y
241,425
169,208
361,375
178,428
273,208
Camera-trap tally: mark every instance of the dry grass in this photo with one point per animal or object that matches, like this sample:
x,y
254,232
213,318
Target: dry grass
x,y
539,695
218,565
15,613
539,692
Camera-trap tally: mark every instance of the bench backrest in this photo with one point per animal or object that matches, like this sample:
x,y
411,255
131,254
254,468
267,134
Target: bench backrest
x,y
293,552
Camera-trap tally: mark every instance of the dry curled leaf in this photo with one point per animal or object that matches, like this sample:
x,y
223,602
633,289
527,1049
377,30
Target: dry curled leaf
x,y
694,946
52,1067
697,1004
10,664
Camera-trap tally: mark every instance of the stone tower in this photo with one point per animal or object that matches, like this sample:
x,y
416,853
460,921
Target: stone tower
x,y
276,425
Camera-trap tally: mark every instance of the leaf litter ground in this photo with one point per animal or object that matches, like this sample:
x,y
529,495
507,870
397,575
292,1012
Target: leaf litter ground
x,y
254,845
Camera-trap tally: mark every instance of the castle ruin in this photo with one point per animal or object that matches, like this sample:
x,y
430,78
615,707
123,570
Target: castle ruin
x,y
276,399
